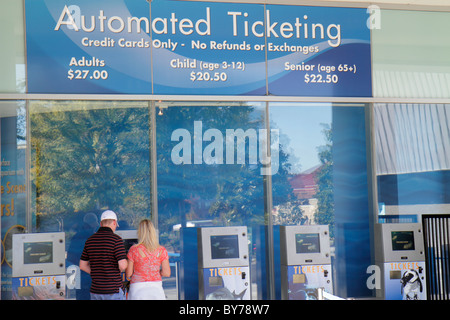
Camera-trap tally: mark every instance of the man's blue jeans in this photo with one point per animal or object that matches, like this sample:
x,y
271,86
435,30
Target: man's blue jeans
x,y
115,296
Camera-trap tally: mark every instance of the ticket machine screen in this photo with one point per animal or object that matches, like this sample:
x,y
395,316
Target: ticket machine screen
x,y
402,240
129,238
307,242
38,252
128,243
225,247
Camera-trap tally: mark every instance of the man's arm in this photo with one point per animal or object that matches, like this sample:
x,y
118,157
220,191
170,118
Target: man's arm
x,y
123,265
121,254
85,266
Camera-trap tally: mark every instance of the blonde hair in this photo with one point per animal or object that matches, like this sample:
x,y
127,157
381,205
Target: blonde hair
x,y
147,235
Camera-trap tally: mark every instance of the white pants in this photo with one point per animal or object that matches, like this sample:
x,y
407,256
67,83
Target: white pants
x,y
150,290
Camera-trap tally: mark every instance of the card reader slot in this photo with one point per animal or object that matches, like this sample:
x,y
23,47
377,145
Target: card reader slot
x,y
215,281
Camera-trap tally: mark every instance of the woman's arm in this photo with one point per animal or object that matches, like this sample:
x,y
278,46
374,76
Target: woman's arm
x,y
165,268
130,269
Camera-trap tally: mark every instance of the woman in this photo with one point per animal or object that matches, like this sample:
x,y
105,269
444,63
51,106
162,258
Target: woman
x,y
148,262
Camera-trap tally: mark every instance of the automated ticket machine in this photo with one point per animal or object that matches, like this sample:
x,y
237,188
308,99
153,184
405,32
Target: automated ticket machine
x,y
38,271
129,238
401,258
223,262
305,262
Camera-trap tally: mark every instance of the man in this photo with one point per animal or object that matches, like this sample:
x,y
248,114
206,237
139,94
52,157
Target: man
x,y
104,258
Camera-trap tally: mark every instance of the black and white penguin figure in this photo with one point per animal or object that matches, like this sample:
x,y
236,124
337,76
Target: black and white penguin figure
x,y
411,285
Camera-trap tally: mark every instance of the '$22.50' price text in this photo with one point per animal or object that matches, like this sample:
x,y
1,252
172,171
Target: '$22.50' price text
x,y
318,78
86,74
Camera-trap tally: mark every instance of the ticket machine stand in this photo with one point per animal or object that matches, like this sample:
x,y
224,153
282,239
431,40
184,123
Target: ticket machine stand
x,y
305,262
400,255
38,271
129,238
223,263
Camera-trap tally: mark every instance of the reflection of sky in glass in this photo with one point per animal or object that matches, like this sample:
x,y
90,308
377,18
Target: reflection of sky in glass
x,y
301,131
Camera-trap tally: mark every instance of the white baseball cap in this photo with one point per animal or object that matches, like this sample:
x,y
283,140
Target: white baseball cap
x,y
109,214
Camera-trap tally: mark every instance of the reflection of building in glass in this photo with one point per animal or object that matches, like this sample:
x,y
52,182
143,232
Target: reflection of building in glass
x,y
302,209
304,184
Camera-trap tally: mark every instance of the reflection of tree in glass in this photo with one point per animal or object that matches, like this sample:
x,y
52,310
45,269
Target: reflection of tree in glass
x,y
325,211
89,160
216,194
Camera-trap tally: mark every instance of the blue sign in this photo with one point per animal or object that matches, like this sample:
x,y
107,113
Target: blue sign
x,y
317,51
87,47
211,53
180,47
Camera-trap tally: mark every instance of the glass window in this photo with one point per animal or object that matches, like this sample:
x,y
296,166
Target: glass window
x,y
210,174
412,149
324,181
412,143
305,139
13,136
87,157
12,55
411,54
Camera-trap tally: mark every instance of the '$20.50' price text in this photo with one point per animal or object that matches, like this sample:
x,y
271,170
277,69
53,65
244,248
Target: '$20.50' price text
x,y
86,74
208,76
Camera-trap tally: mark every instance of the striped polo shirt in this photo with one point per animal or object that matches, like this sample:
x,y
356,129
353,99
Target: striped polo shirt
x,y
103,250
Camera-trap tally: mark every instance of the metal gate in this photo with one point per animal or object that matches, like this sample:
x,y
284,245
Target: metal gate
x,y
437,255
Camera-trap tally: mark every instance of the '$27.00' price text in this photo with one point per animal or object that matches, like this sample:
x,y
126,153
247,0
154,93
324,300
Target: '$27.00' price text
x,y
86,74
